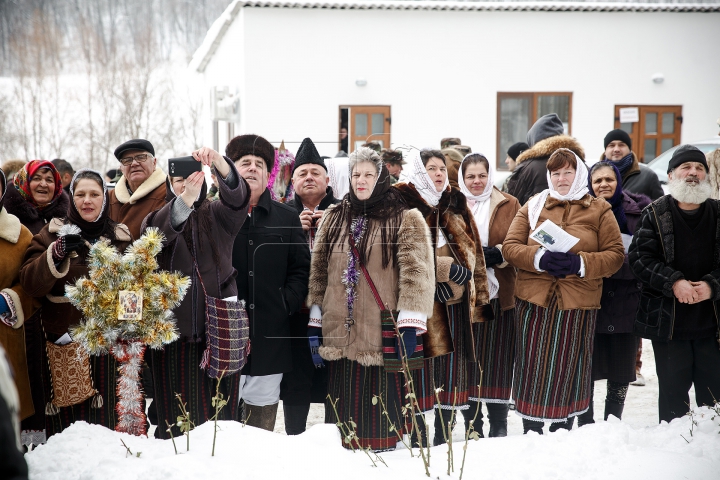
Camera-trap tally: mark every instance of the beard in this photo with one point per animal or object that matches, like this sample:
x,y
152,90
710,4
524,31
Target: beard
x,y
689,192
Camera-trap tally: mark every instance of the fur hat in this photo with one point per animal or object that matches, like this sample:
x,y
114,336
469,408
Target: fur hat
x,y
393,157
251,144
620,135
449,142
307,153
135,144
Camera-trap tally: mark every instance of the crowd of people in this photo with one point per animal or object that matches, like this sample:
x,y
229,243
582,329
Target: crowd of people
x,y
392,258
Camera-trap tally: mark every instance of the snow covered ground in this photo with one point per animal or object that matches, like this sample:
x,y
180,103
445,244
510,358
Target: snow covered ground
x,y
633,449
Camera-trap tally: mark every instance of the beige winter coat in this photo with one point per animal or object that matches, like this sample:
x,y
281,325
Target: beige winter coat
x,y
408,283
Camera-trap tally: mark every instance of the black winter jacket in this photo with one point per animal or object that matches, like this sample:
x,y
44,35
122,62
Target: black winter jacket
x,y
651,255
273,260
29,215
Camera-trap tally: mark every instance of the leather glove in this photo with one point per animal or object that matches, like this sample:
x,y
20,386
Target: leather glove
x,y
492,256
314,341
443,292
459,274
409,335
64,245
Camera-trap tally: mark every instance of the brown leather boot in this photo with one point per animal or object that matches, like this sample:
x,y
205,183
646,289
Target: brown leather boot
x,y
261,417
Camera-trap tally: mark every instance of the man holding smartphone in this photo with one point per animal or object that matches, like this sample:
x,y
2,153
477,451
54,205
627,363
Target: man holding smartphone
x,y
273,262
305,384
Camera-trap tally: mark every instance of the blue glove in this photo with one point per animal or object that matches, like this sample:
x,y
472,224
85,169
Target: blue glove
x,y
443,292
459,274
409,335
314,340
560,264
4,307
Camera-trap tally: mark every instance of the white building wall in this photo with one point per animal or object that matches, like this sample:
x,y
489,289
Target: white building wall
x,y
440,71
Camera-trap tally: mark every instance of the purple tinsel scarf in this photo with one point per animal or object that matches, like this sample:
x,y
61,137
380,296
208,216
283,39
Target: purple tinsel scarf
x,y
351,275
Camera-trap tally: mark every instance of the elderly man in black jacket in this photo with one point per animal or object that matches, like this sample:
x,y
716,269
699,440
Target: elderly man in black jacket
x,y
273,263
676,255
307,383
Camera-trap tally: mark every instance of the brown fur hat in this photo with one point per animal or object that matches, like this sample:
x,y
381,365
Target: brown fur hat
x,y
251,144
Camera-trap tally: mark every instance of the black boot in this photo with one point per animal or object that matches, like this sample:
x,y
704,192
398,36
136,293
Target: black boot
x,y
442,419
469,414
497,415
295,418
588,417
423,432
612,408
567,425
532,426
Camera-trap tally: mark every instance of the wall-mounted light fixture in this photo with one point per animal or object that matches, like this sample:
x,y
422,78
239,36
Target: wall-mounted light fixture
x,y
658,78
360,82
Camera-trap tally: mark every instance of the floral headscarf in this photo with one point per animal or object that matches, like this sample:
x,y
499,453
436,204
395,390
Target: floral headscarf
x,y
23,177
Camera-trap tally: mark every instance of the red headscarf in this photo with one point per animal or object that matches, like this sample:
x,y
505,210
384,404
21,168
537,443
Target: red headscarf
x,y
23,177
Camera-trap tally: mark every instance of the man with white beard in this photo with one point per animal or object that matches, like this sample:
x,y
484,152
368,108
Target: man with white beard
x,y
676,256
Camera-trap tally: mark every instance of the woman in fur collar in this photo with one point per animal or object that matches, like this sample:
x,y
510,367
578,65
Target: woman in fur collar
x,y
461,291
58,256
558,293
392,242
493,212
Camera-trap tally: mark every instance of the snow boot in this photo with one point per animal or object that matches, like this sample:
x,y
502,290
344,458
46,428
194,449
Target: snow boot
x,y
295,418
261,417
423,433
532,426
587,417
469,414
442,418
567,425
612,408
497,415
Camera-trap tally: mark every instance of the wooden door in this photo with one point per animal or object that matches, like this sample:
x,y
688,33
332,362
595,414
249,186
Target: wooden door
x,y
368,124
657,129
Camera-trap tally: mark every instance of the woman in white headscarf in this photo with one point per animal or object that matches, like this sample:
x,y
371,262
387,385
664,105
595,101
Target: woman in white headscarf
x,y
558,292
493,212
461,294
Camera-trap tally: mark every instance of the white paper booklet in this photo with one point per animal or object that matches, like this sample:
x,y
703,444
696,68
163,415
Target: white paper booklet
x,y
553,237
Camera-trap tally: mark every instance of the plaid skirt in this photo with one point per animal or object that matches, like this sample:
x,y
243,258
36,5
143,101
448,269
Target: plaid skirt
x,y
495,351
450,373
176,369
353,386
552,361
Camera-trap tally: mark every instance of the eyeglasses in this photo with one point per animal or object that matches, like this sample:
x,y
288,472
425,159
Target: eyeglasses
x,y
138,158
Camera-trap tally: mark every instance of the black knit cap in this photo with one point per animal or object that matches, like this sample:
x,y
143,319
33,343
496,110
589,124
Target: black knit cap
x,y
307,153
516,149
251,144
687,153
134,144
618,134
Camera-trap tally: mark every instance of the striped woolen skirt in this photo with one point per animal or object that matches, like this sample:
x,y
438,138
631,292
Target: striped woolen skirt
x,y
450,373
552,361
176,369
495,351
353,387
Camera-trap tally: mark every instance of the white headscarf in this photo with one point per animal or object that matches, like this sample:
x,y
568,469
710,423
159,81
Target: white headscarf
x,y
104,187
419,177
578,190
480,208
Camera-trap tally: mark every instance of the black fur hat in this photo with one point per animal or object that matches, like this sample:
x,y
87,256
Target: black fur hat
x,y
307,153
251,144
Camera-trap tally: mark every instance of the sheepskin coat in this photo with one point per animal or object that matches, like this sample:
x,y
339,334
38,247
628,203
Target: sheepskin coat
x,y
14,240
503,208
44,280
453,217
408,283
131,209
530,175
589,219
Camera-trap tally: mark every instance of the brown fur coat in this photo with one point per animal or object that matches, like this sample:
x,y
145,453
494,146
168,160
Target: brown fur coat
x,y
453,217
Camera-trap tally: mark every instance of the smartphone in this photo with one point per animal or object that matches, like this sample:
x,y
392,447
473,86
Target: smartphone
x,y
183,166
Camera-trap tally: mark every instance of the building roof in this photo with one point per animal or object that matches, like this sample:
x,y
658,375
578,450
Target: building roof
x,y
217,31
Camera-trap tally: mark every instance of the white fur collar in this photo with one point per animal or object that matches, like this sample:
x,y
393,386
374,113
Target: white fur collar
x,y
9,226
153,181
